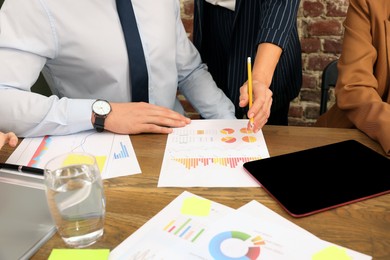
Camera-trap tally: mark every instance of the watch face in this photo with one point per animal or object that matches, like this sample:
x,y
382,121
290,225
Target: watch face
x,y
101,107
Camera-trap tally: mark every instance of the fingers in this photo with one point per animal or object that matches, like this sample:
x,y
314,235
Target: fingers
x,y
262,117
154,129
135,118
163,117
12,139
159,125
2,140
9,138
244,97
260,110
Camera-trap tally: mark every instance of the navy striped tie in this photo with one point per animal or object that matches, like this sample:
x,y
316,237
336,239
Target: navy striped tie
x,y
138,71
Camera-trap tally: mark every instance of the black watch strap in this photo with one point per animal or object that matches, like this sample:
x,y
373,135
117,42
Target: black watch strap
x,y
99,123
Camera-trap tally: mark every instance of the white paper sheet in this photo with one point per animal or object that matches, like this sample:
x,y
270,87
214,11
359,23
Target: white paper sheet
x,y
318,250
114,153
210,153
192,227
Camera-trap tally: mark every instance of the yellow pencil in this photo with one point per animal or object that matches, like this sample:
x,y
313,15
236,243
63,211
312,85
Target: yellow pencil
x,y
250,93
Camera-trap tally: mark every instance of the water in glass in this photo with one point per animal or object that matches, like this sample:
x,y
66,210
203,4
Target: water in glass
x,y
76,199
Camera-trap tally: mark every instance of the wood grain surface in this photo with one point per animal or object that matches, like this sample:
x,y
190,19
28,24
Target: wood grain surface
x,y
132,200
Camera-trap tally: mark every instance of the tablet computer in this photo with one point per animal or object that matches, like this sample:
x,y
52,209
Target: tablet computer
x,y
322,178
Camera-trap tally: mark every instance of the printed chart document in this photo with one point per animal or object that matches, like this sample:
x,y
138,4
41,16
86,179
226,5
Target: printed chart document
x,y
192,227
210,153
114,153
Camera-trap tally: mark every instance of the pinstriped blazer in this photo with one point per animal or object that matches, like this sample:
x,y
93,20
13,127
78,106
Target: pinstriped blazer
x,y
255,21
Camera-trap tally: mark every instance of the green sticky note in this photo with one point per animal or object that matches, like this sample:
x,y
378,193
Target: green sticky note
x,y
332,252
196,206
79,254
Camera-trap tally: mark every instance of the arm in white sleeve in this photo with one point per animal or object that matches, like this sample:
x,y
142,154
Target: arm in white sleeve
x,y
24,49
197,84
29,114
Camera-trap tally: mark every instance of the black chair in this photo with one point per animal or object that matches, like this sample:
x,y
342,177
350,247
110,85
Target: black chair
x,y
329,79
41,86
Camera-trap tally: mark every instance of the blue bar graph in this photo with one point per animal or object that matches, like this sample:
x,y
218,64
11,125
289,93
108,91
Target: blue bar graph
x,y
123,153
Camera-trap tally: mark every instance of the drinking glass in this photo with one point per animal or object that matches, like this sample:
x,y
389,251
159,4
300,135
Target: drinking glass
x,y
75,195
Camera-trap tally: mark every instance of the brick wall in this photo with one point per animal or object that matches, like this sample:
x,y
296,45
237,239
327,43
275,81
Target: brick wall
x,y
320,31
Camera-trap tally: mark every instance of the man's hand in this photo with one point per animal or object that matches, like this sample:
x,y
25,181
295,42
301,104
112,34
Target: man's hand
x,y
140,117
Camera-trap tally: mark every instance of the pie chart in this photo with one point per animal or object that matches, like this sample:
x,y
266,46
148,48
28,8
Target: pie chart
x,y
250,249
246,131
228,139
249,139
227,131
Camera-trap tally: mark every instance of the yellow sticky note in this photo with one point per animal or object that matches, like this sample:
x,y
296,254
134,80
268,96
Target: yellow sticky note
x,y
332,252
79,159
101,160
79,254
76,159
196,206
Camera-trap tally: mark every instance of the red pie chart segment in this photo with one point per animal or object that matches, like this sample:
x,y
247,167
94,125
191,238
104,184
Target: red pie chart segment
x,y
228,139
227,131
249,139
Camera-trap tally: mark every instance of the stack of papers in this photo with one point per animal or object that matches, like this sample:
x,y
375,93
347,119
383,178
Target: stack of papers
x,y
192,227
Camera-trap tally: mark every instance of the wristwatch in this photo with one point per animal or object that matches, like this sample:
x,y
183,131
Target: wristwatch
x,y
100,108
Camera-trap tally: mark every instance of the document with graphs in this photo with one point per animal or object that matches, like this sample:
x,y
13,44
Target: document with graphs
x,y
193,228
210,153
114,153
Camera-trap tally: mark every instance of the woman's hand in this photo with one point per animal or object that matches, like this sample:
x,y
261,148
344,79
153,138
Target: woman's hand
x,y
261,107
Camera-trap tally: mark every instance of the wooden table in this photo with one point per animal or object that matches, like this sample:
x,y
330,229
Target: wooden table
x,y
132,200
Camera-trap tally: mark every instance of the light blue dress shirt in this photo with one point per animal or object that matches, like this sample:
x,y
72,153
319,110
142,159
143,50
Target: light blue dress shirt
x,y
80,48
229,4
